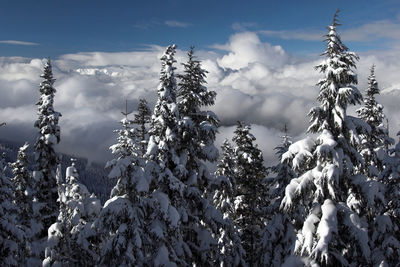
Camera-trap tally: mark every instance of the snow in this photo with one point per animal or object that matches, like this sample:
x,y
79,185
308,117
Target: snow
x,y
326,228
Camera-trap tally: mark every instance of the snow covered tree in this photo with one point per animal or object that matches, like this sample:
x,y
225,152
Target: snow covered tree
x,y
250,191
69,239
334,197
184,226
141,119
385,237
198,127
278,234
167,208
226,185
12,237
45,156
25,199
374,142
121,222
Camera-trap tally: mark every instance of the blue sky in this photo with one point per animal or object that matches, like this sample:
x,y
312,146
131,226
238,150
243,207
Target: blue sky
x,y
56,27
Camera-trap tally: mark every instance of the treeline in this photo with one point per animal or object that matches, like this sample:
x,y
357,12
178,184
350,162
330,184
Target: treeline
x,y
330,201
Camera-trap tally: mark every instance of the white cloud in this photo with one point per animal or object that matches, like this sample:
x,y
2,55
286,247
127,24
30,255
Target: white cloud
x,y
255,82
177,24
243,26
14,42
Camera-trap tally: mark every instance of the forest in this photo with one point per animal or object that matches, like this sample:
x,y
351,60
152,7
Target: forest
x,y
333,199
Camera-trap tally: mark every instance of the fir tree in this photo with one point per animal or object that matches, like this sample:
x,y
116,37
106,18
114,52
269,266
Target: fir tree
x,y
250,191
278,234
226,186
333,194
45,156
25,199
198,127
12,237
141,119
385,237
167,208
121,222
69,241
375,142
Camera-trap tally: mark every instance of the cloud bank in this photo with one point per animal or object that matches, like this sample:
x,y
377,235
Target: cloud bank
x,y
255,81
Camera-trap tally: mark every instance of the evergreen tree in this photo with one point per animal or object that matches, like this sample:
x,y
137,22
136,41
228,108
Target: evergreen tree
x,y
25,199
226,186
385,233
250,191
198,127
69,239
167,209
141,119
278,234
375,142
45,156
12,238
331,192
121,222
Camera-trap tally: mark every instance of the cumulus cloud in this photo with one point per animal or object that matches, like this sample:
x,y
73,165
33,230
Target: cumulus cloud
x,y
15,42
255,82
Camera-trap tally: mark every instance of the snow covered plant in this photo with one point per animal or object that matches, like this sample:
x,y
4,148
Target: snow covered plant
x,y
70,238
12,237
331,191
45,157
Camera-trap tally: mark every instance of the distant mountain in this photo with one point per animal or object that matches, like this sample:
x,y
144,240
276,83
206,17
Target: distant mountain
x,y
93,175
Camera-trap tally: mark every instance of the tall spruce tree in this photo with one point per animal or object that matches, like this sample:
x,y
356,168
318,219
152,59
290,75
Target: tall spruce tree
x,y
121,221
198,127
278,234
141,119
167,207
250,191
12,237
183,225
332,193
45,156
375,142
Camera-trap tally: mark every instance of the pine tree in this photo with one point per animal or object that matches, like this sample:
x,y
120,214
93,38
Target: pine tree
x,y
45,156
331,192
141,119
12,237
385,237
278,234
69,239
167,207
121,222
224,194
25,199
199,127
375,142
250,191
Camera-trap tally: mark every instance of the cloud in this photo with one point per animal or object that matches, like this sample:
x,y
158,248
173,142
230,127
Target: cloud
x,y
369,32
246,48
14,42
255,81
177,24
243,26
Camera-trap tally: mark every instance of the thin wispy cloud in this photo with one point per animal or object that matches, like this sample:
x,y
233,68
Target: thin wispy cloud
x,y
177,24
243,26
15,42
369,32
